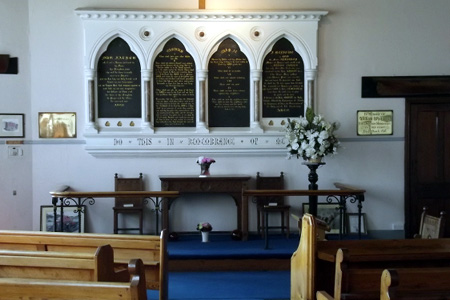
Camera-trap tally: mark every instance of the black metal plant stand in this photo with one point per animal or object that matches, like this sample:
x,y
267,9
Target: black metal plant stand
x,y
313,178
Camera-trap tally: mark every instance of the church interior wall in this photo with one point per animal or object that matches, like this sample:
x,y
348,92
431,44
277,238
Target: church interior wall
x,y
363,38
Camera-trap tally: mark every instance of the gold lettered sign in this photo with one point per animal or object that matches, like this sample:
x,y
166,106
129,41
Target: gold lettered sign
x,y
375,122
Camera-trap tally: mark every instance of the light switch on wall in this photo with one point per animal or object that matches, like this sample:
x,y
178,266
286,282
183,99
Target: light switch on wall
x,y
15,151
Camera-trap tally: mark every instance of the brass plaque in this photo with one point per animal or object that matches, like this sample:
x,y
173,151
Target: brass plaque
x,y
283,82
174,86
229,87
57,125
119,82
375,122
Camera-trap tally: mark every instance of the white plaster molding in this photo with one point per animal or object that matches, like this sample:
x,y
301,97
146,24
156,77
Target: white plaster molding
x,y
201,32
136,15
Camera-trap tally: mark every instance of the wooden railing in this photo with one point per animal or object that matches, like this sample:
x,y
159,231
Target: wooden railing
x,y
340,196
80,199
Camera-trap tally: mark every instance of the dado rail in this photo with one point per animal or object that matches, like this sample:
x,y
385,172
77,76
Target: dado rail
x,y
340,197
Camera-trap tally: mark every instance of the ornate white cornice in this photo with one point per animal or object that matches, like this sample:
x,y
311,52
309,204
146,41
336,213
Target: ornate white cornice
x,y
137,15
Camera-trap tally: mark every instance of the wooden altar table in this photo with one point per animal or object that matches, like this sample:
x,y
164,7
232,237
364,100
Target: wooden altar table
x,y
232,185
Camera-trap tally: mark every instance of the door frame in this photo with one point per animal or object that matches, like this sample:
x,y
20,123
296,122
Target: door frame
x,y
414,89
410,230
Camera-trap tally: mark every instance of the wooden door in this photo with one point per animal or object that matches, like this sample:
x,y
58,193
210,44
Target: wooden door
x,y
427,160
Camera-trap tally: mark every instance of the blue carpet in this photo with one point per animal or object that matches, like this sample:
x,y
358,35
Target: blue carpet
x,y
235,285
268,285
222,246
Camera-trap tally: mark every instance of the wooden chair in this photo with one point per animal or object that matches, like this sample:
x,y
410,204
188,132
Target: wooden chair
x,y
128,205
431,227
270,204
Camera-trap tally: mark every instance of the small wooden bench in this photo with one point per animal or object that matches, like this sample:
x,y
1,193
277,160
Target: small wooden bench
x,y
151,249
420,283
25,288
342,275
61,265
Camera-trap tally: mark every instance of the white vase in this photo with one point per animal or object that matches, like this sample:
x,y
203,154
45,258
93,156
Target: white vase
x,y
205,236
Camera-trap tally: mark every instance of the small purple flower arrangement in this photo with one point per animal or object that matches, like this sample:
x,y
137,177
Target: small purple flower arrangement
x,y
204,226
204,163
205,160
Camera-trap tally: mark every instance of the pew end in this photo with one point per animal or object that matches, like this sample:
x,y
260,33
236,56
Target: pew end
x,y
428,283
322,295
389,283
302,262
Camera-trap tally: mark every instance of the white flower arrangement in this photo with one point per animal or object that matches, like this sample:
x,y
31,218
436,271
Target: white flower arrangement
x,y
311,137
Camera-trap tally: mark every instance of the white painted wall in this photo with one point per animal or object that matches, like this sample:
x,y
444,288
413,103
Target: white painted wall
x,y
356,38
16,211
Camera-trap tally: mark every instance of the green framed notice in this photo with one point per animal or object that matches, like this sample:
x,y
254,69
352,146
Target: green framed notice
x,y
375,122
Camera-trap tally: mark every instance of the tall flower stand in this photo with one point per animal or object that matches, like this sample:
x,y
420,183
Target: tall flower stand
x,y
313,178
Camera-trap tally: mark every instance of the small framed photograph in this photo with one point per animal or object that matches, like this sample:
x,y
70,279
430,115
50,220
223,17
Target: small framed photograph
x,y
53,125
71,222
12,125
352,223
329,213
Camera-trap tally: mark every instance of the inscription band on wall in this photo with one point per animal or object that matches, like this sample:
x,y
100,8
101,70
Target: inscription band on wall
x,y
199,142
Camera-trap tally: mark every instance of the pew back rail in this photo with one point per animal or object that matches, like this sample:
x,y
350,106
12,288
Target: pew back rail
x,y
151,249
24,288
65,266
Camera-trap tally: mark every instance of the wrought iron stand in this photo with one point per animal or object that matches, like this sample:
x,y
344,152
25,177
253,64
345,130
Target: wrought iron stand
x,y
80,199
313,178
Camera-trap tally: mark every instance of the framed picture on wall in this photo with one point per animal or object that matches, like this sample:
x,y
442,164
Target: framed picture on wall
x,y
352,223
329,213
12,125
57,125
71,223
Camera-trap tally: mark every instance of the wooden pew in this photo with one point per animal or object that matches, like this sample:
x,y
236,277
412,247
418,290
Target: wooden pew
x,y
151,249
59,265
321,274
421,283
25,288
357,274
359,278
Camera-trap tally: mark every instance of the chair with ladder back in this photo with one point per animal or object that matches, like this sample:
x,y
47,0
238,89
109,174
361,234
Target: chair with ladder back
x,y
128,205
